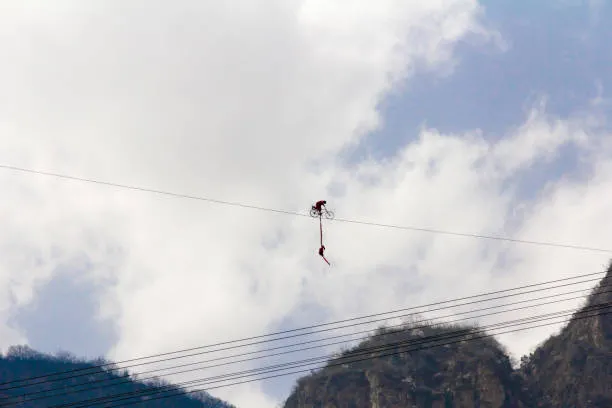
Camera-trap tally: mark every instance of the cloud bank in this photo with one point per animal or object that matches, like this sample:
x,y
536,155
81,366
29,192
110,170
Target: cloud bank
x,y
254,103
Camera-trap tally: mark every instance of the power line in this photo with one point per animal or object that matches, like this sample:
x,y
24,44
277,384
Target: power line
x,y
313,326
148,190
327,338
84,371
295,213
361,351
460,333
123,380
193,382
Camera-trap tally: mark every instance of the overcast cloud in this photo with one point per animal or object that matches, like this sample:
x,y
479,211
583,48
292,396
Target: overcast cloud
x,y
256,102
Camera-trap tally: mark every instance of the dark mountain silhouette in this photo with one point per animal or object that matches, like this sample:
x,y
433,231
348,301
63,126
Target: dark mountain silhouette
x,y
574,368
22,362
570,370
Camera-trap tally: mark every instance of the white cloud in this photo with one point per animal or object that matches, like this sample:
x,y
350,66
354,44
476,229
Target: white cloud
x,y
253,103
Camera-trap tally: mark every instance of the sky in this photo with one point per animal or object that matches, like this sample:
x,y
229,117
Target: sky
x,y
477,117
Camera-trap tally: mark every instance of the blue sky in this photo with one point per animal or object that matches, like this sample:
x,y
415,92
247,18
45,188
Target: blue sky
x,y
556,50
63,317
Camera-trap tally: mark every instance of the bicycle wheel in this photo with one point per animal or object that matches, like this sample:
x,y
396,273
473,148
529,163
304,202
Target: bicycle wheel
x,y
329,214
314,213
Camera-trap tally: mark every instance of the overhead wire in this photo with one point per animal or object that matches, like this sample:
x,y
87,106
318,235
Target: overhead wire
x,y
266,370
128,379
47,378
278,368
123,380
295,213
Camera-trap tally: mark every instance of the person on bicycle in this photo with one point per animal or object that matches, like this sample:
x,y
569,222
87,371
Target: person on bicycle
x,y
319,205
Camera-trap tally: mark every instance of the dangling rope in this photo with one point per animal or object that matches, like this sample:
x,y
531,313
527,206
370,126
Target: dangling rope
x,y
322,248
321,228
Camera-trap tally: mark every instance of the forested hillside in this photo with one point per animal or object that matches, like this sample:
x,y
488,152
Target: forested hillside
x,y
90,384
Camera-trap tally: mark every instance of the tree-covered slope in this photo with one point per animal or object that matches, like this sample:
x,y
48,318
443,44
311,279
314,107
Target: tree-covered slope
x,y
46,389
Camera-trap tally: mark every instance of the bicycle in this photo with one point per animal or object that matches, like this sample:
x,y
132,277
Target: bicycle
x,y
328,214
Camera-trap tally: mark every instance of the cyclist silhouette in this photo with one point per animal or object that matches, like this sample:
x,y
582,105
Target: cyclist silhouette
x,y
319,206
